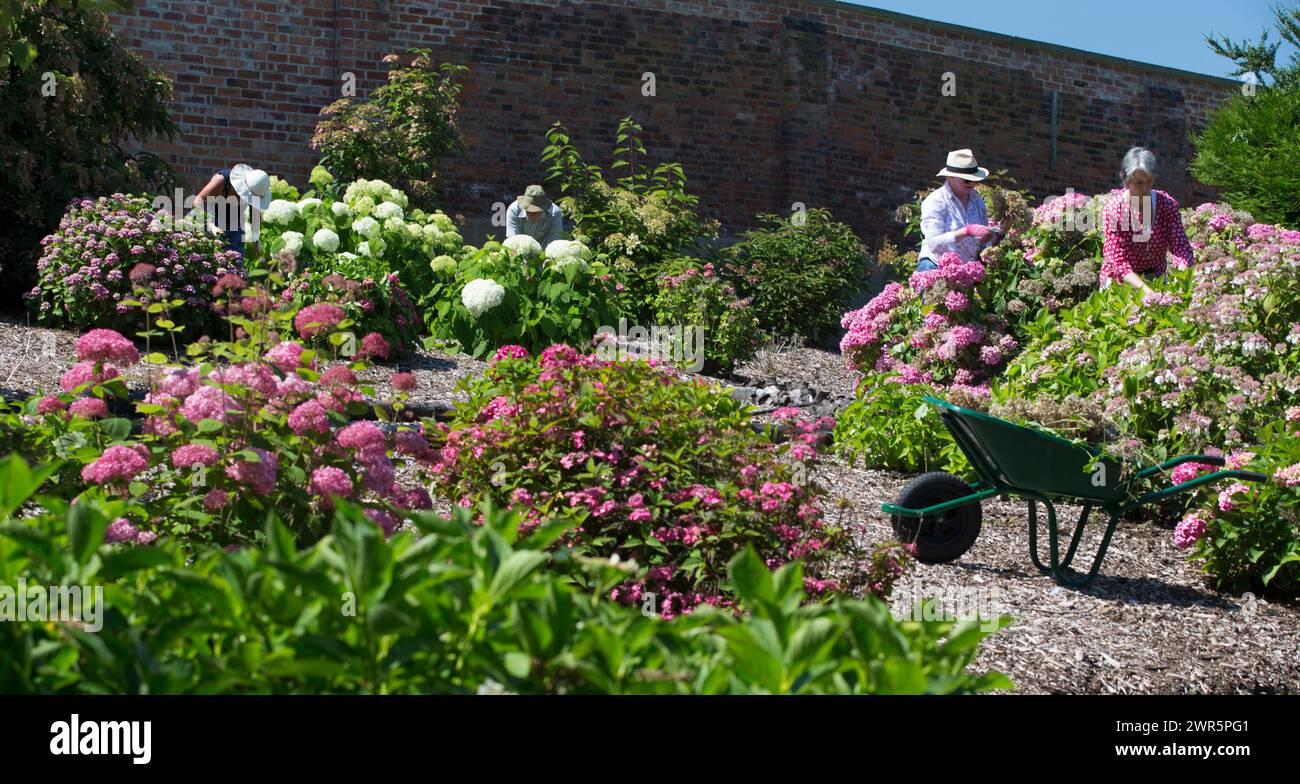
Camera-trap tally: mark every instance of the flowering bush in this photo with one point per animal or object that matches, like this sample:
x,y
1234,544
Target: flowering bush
x,y
692,295
647,466
379,307
104,248
889,426
252,426
636,224
800,272
945,339
368,232
408,124
498,296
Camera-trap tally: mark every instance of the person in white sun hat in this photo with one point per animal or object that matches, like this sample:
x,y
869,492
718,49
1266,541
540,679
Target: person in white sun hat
x,y
227,193
954,218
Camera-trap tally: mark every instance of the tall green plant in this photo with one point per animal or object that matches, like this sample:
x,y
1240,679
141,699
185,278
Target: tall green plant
x,y
400,134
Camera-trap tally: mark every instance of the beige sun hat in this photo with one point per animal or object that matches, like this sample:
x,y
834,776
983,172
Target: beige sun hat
x,y
534,198
252,185
961,163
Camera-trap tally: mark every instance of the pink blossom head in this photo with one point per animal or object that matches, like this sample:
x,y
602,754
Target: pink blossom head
x,y
404,382
88,408
510,352
317,319
373,346
106,345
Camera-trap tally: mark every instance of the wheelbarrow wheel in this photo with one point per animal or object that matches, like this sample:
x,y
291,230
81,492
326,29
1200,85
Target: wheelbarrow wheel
x,y
945,536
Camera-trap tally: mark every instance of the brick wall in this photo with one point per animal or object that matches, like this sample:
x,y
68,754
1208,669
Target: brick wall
x,y
765,103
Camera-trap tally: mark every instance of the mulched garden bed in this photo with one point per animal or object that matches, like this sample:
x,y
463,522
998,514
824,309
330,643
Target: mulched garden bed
x,y
1147,624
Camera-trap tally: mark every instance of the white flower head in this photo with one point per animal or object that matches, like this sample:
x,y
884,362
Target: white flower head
x,y
366,227
307,204
292,241
562,253
325,240
340,210
481,295
523,245
395,226
280,211
388,210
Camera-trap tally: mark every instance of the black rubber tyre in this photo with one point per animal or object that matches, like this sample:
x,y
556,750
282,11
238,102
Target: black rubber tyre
x,y
943,537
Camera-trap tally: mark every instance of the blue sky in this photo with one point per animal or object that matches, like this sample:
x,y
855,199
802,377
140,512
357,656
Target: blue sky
x,y
1152,31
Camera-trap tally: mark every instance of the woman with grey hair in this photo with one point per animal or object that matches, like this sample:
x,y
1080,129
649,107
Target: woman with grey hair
x,y
1142,226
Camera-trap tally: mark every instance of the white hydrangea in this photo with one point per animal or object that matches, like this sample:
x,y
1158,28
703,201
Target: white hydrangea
x,y
561,249
366,227
480,296
388,210
444,223
432,233
395,226
325,240
363,206
280,211
348,256
340,210
523,245
373,247
565,253
307,204
292,241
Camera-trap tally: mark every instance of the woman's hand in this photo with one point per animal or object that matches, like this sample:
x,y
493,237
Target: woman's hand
x,y
1133,279
976,230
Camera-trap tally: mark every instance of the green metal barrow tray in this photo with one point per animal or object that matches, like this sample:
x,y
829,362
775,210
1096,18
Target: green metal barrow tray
x,y
941,514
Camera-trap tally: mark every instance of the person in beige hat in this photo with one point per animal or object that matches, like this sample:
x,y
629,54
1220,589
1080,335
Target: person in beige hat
x,y
536,215
226,194
953,217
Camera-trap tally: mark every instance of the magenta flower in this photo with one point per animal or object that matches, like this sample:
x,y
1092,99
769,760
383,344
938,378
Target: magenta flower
x,y
88,408
309,417
106,345
120,530
373,346
403,382
260,475
190,455
1189,530
50,404
216,499
118,465
1226,504
328,483
317,319
84,373
287,355
510,352
1289,476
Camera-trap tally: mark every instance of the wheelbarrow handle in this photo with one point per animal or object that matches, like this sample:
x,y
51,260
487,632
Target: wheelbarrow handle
x,y
1249,476
1213,460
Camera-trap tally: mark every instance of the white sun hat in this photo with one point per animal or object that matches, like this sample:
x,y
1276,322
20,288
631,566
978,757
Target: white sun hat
x,y
252,185
961,163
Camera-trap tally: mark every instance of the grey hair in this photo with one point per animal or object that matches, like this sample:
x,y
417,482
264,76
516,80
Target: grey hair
x,y
1137,158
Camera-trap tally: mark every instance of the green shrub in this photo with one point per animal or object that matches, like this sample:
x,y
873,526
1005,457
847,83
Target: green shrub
x,y
59,146
401,133
890,426
662,470
500,295
690,294
800,273
642,220
461,609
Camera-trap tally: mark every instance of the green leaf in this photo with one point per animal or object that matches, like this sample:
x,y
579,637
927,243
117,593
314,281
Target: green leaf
x,y
86,526
514,570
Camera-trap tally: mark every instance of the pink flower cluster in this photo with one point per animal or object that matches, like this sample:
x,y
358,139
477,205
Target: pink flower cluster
x,y
317,319
1190,530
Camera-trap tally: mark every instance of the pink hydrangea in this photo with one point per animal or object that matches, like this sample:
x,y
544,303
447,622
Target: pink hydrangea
x,y
88,408
1189,530
329,482
49,404
106,345
84,373
118,465
216,499
364,437
1289,476
190,455
1226,502
558,355
1187,472
403,382
510,352
287,355
309,417
120,530
990,355
208,403
317,319
373,346
260,475
956,301
1238,460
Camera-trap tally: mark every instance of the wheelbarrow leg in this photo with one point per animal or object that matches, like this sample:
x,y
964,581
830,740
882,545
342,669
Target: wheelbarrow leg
x,y
1058,564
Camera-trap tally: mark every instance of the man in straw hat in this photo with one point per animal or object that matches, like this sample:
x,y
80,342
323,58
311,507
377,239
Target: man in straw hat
x,y
228,191
954,218
536,215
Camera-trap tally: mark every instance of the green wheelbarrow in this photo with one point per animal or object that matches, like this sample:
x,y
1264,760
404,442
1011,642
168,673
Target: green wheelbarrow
x,y
941,514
